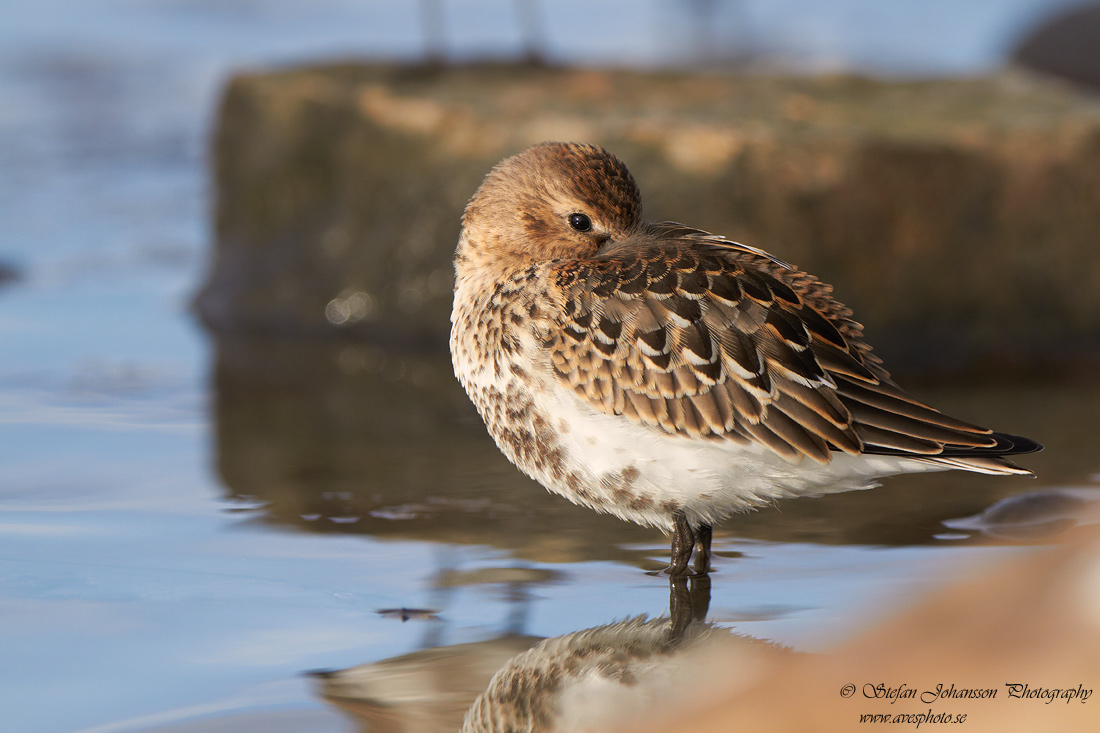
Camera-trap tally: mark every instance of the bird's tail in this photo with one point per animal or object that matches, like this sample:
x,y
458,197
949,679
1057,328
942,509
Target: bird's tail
x,y
991,460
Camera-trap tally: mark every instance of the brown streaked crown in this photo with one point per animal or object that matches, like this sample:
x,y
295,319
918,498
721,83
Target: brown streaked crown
x,y
521,213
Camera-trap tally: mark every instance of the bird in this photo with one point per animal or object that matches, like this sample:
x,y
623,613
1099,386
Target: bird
x,y
610,676
667,375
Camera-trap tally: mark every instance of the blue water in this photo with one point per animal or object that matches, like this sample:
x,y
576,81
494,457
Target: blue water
x,y
133,596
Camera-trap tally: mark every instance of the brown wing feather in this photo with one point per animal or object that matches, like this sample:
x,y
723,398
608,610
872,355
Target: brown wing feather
x,y
691,335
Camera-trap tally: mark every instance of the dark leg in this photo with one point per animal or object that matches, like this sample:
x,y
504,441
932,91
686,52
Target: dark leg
x,y
688,602
700,597
679,607
683,542
702,549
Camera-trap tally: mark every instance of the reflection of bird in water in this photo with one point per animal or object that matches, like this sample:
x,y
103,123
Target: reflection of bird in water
x,y
666,375
594,680
427,690
431,689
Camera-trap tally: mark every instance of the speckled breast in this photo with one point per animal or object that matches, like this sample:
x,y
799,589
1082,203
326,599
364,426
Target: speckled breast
x,y
497,356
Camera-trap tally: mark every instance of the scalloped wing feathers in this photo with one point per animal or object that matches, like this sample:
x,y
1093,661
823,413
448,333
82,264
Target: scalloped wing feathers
x,y
699,336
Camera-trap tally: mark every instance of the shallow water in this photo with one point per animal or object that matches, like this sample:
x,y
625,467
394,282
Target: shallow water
x,y
139,590
188,527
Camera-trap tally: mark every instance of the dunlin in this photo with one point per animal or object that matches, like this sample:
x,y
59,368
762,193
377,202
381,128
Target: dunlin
x,y
612,677
667,375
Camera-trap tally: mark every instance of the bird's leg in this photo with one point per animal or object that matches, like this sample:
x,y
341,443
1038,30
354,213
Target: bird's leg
x,y
679,607
688,603
683,542
700,596
702,549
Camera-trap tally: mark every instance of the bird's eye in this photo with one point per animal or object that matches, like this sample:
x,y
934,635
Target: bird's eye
x,y
580,222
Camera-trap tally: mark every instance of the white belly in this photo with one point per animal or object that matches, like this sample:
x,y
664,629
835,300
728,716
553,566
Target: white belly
x,y
643,474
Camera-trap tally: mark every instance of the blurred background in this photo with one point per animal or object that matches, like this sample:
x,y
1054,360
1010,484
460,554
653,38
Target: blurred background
x,y
220,472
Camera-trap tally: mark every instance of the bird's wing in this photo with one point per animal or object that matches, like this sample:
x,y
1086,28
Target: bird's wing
x,y
697,336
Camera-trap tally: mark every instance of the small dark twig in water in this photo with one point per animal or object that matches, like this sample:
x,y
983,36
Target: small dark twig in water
x,y
423,614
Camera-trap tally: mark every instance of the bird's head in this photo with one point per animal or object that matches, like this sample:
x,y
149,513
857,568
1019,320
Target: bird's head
x,y
551,201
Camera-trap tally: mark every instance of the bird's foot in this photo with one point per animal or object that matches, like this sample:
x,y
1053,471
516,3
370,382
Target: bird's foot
x,y
673,571
687,541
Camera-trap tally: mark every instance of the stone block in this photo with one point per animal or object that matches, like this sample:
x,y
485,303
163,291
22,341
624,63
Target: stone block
x,y
960,218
